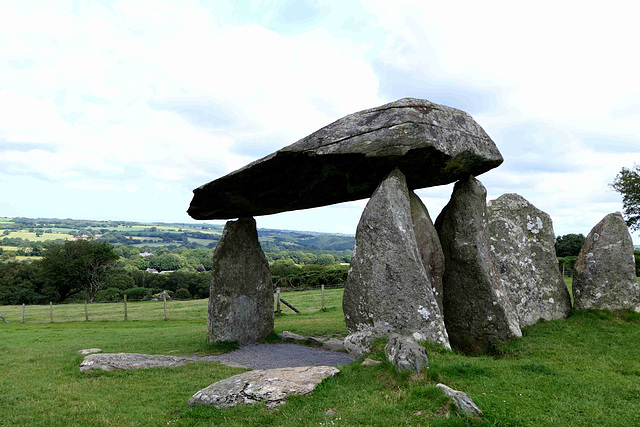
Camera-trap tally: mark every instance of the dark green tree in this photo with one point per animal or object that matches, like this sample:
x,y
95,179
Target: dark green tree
x,y
627,183
569,245
78,265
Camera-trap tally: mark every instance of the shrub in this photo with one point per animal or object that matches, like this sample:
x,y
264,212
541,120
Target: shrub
x,y
182,293
108,295
138,293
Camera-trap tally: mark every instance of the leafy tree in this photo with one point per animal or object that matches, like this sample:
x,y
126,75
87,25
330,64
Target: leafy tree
x,y
284,268
109,295
182,293
78,265
326,259
627,183
569,245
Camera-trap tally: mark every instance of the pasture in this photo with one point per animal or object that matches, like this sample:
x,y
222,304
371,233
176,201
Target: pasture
x,y
580,371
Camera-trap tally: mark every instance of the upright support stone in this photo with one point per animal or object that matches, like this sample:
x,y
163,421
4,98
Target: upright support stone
x,y
522,244
428,245
604,275
388,289
477,312
241,300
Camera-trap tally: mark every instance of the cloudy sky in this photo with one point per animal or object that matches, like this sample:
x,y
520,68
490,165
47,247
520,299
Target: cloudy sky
x,y
117,110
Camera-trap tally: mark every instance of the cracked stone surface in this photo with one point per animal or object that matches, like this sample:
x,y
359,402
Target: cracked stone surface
x,y
270,386
522,244
431,144
604,273
388,289
477,311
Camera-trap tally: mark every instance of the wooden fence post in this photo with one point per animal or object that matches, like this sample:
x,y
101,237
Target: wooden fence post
x,y
86,312
125,307
278,300
22,318
51,310
322,297
5,320
164,297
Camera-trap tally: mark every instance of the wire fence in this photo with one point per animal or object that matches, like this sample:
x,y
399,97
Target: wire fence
x,y
303,300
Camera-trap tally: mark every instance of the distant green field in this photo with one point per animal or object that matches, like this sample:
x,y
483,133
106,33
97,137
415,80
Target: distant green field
x,y
203,242
43,238
154,239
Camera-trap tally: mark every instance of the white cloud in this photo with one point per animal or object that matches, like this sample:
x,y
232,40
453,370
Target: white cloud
x,y
151,99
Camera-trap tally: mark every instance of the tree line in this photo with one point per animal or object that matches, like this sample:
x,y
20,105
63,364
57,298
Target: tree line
x,y
94,270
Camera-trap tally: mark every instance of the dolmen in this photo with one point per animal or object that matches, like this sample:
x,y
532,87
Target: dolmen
x,y
434,283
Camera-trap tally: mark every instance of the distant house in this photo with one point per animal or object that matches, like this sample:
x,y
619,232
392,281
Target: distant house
x,y
145,254
152,270
82,237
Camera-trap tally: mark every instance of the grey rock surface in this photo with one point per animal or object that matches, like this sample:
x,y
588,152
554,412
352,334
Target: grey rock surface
x,y
387,288
290,336
462,401
241,298
359,343
347,159
270,386
406,354
89,351
333,344
522,244
604,273
428,245
127,361
477,311
370,362
254,356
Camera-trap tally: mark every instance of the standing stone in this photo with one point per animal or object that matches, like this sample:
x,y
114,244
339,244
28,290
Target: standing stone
x,y
522,244
428,245
604,274
387,288
241,301
477,311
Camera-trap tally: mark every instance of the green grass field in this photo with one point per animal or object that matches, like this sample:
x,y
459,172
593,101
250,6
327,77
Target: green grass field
x,y
34,238
584,370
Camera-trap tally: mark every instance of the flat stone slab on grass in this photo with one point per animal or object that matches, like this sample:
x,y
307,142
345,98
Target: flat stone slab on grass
x,y
127,361
431,144
89,351
269,386
257,356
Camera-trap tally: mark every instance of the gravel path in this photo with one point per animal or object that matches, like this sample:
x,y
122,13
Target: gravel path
x,y
271,356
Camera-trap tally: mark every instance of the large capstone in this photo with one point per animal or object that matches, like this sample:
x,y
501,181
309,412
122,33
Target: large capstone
x,y
388,288
431,144
241,300
522,244
604,275
477,311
